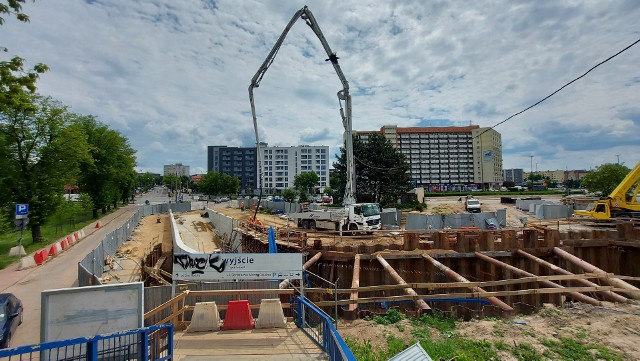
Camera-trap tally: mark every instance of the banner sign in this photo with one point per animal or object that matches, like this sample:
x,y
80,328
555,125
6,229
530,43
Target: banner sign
x,y
236,266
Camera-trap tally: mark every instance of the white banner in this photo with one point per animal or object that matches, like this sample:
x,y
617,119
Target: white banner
x,y
236,266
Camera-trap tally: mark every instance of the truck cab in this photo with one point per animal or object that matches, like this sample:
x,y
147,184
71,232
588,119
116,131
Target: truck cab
x,y
472,205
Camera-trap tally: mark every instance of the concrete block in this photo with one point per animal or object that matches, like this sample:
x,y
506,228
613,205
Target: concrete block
x,y
205,318
271,315
17,251
27,262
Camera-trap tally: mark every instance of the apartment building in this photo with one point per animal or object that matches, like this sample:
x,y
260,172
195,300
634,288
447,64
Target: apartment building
x,y
283,164
515,175
448,158
177,169
240,162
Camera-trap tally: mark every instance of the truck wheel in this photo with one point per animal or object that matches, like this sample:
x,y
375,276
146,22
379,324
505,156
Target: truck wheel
x,y
305,224
353,228
312,225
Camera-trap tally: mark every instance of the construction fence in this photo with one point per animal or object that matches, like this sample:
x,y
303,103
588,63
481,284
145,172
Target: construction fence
x,y
92,266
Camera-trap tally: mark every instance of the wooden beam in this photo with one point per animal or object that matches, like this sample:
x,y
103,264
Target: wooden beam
x,y
451,273
419,302
355,282
518,271
553,290
591,268
610,295
448,285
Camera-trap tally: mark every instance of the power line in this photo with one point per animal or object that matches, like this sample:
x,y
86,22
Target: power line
x,y
529,107
561,88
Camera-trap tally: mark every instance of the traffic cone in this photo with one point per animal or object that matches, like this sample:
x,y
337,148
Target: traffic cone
x,y
98,225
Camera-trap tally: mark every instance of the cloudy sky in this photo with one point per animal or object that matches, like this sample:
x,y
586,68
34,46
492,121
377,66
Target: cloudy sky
x,y
172,76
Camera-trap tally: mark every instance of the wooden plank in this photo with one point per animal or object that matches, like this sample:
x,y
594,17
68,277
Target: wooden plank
x,y
438,285
470,295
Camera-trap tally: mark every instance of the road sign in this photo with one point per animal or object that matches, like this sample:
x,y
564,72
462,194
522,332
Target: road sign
x,y
21,223
237,266
22,209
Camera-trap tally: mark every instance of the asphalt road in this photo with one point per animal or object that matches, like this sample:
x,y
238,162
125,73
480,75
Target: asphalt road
x,y
60,271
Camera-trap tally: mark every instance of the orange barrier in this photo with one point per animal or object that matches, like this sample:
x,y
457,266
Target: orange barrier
x,y
64,244
76,236
69,240
40,256
238,316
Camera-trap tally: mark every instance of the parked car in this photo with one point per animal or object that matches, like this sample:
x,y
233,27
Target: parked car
x,y
10,317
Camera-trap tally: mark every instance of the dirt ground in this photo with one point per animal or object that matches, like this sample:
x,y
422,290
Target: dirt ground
x,y
617,328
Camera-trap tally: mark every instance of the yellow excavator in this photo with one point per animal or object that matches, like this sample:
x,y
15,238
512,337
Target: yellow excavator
x,y
621,203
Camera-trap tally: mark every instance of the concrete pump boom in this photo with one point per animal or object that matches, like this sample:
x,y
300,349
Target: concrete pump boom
x,y
343,95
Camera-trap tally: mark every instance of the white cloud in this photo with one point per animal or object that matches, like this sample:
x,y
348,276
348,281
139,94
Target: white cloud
x,y
172,76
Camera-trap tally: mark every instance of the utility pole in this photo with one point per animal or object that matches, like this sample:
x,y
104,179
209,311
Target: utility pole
x,y
618,155
531,167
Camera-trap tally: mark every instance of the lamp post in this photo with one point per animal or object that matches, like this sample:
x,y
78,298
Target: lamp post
x,y
618,155
531,167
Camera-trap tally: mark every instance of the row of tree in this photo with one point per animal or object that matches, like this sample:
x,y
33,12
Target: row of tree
x,y
44,146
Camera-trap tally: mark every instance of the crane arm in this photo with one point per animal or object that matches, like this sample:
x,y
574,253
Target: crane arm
x,y
621,195
343,95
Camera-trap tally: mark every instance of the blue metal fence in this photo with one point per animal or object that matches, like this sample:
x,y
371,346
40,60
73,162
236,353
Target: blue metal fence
x,y
319,327
153,343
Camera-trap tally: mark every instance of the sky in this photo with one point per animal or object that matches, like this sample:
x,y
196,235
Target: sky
x,y
173,76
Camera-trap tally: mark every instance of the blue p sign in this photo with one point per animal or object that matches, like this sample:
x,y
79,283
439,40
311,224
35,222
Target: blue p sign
x,y
22,209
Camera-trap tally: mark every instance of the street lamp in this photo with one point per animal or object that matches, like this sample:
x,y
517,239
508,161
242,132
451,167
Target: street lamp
x,y
531,167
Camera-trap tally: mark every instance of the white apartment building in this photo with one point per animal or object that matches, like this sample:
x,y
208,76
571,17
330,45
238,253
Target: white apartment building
x,y
448,158
177,169
283,164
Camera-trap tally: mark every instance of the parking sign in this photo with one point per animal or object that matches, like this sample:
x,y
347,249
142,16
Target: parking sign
x,y
22,209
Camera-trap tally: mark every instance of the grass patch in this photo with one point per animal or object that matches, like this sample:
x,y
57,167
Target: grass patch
x,y
57,227
392,316
459,349
525,352
437,320
569,349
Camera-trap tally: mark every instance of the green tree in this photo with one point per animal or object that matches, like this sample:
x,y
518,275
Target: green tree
x,y
605,178
305,182
382,172
13,7
109,175
15,81
171,181
41,148
215,183
146,181
289,195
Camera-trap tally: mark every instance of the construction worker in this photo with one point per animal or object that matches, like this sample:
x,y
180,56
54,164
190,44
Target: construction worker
x,y
242,206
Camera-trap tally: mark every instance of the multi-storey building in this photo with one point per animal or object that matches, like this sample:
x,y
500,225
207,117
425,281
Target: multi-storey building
x,y
515,175
177,169
283,164
448,158
240,162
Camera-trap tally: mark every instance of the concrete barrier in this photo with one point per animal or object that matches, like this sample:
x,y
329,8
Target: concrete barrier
x,y
26,262
17,251
205,317
271,314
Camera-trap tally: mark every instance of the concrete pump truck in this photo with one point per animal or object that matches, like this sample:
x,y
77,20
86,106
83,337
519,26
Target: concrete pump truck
x,y
352,217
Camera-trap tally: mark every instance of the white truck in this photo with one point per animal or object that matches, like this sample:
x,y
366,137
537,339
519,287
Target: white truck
x,y
472,205
357,217
353,216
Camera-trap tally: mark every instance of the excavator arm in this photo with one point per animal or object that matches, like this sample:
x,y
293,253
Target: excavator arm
x,y
343,96
625,195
